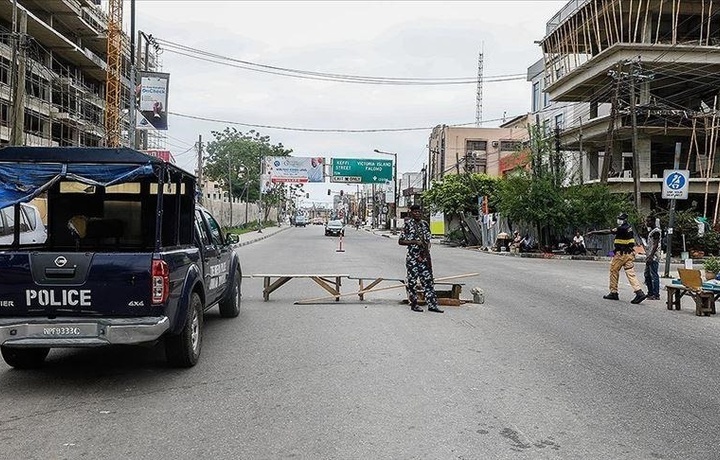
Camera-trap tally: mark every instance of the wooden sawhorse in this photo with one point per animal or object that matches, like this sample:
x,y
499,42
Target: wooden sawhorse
x,y
330,282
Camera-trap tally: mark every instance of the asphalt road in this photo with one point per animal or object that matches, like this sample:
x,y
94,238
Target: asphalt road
x,y
544,369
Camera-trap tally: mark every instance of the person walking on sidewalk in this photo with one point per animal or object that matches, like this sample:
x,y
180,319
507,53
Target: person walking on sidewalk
x,y
651,243
416,236
624,257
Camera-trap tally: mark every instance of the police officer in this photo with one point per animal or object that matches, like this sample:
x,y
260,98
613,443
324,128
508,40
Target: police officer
x,y
416,236
624,257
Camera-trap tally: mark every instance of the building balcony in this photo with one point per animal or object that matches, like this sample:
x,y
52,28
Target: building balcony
x,y
91,64
663,61
80,18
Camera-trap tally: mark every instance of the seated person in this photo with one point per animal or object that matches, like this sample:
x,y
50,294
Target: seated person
x,y
516,240
527,244
578,245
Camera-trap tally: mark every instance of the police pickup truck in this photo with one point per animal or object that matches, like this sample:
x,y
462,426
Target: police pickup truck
x,y
128,256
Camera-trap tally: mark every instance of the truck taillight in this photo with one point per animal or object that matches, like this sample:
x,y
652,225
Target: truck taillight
x,y
160,281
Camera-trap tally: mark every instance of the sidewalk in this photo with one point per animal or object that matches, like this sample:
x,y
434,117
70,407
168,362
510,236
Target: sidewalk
x,y
252,237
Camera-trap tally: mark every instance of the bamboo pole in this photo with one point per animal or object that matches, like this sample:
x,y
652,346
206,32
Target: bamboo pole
x,y
645,23
597,28
620,15
702,22
615,22
710,157
707,39
637,21
657,32
690,149
631,38
385,288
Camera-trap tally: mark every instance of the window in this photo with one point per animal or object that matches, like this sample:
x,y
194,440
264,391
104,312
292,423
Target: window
x,y
475,145
536,96
560,121
215,233
201,230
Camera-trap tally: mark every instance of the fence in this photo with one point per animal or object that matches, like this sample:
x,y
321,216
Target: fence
x,y
242,212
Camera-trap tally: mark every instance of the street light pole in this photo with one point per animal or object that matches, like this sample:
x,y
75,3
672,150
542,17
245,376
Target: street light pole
x,y
395,190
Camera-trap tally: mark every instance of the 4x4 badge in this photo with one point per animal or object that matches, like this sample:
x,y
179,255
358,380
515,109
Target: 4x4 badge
x,y
60,261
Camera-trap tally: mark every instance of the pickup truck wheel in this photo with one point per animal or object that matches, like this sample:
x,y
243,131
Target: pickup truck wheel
x,y
230,306
183,350
24,358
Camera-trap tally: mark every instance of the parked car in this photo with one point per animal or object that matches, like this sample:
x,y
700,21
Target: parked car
x,y
124,261
335,228
32,229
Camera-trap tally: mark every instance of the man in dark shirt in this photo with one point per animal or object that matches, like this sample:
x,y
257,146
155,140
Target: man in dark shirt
x,y
624,257
416,236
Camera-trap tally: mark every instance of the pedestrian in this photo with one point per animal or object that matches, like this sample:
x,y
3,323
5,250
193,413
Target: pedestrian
x,y
623,258
651,243
416,236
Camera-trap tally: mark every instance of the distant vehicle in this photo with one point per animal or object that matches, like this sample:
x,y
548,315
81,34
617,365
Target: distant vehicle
x,y
300,221
317,221
335,228
32,229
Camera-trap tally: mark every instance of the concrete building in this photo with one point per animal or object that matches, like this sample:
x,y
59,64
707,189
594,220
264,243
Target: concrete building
x,y
65,55
607,60
494,151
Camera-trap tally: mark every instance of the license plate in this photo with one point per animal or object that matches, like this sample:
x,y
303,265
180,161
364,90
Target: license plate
x,y
63,330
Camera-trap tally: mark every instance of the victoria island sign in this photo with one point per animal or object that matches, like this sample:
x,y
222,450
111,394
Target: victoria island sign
x,y
352,171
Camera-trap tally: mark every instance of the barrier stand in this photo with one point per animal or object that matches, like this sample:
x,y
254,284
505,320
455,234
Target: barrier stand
x,y
340,248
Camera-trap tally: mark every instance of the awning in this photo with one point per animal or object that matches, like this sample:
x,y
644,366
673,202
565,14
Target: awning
x,y
21,182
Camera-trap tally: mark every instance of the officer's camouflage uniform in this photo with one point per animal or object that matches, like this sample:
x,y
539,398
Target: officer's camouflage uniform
x,y
418,263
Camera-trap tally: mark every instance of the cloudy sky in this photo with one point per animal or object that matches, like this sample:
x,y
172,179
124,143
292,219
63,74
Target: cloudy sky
x,y
406,39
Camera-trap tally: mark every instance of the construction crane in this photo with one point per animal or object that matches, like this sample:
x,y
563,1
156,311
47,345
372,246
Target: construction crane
x,y
113,85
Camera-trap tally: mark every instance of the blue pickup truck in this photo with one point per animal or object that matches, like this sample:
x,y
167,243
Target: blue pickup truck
x,y
128,257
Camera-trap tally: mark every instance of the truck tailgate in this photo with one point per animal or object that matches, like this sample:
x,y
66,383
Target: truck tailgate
x,y
76,284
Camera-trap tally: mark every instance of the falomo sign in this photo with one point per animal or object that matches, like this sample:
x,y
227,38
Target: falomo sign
x,y
356,171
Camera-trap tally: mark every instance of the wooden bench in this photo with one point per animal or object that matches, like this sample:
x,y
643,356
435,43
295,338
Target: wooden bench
x,y
691,285
330,282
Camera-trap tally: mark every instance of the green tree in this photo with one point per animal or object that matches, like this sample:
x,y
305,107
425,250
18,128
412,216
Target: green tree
x,y
457,194
233,158
594,206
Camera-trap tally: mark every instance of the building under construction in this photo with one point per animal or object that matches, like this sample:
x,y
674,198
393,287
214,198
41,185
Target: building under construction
x,y
636,78
56,53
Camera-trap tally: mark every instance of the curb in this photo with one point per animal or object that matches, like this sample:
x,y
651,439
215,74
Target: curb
x,y
259,238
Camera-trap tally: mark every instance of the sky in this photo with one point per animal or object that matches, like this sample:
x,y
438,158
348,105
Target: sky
x,y
405,39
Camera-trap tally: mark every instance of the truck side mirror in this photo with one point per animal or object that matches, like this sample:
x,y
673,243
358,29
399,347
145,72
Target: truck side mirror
x,y
232,238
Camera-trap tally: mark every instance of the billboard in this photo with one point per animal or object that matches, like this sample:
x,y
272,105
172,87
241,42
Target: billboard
x,y
164,155
151,97
295,169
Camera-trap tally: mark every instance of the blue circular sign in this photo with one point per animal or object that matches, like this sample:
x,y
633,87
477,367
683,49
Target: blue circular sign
x,y
675,181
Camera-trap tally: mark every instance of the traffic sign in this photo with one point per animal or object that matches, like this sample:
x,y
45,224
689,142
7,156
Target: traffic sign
x,y
356,171
675,184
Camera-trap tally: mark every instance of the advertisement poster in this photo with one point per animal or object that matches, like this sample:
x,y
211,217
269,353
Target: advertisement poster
x,y
295,169
152,100
437,223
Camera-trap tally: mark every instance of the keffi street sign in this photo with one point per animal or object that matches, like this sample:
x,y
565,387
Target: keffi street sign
x,y
357,171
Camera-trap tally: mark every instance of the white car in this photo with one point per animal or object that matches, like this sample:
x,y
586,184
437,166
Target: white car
x,y
32,229
335,228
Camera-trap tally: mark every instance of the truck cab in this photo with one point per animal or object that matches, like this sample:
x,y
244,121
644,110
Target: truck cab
x,y
128,257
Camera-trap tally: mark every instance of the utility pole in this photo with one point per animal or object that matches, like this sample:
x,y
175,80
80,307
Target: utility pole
x,y
230,194
671,223
636,157
607,159
17,133
200,168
